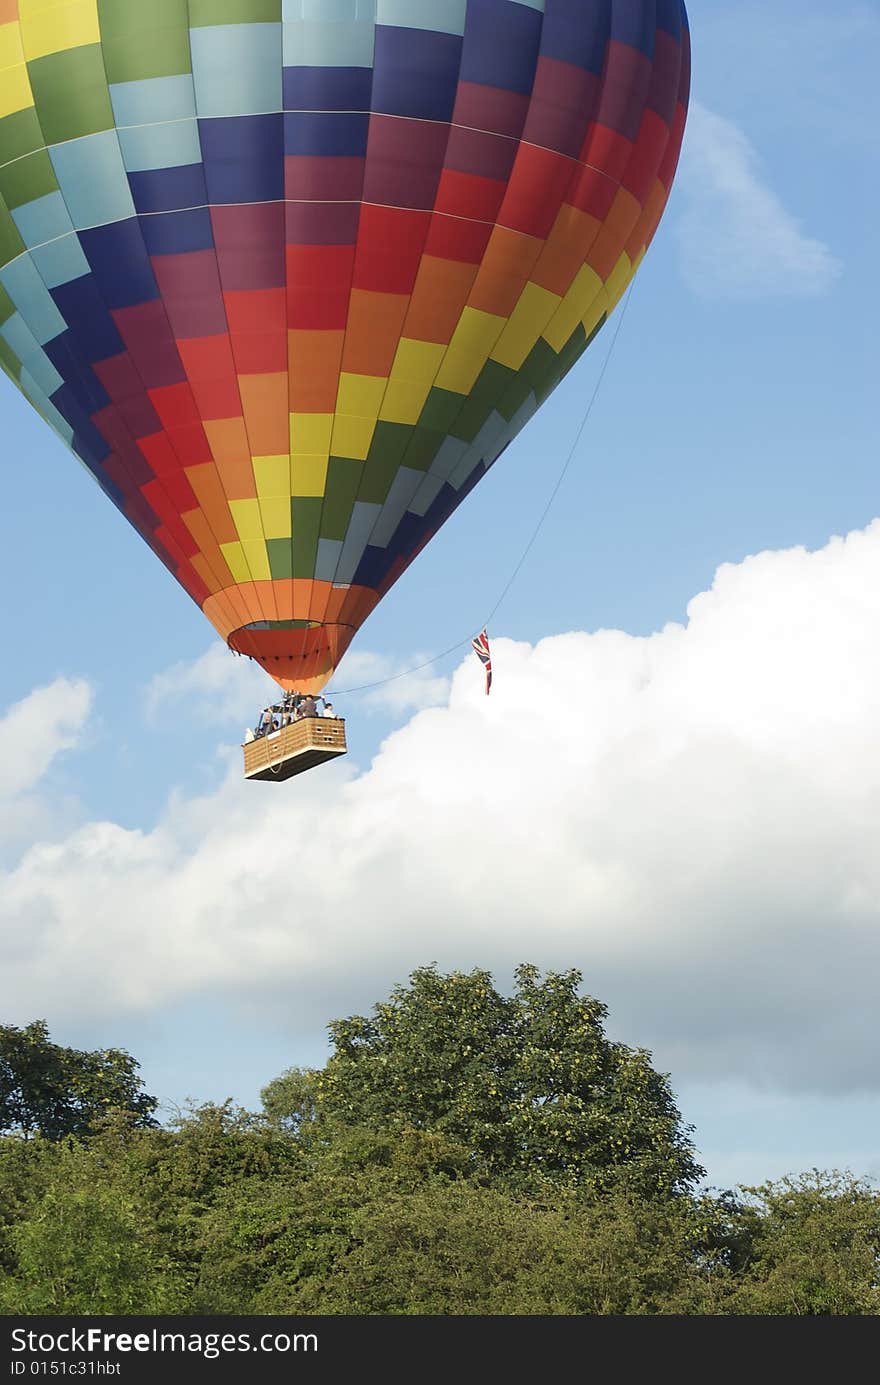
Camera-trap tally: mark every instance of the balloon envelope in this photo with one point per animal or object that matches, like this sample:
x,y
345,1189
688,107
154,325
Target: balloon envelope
x,y
289,275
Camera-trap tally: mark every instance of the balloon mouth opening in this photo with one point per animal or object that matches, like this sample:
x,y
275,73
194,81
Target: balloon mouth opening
x,y
300,655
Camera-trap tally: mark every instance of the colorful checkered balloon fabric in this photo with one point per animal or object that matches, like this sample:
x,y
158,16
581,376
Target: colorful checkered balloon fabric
x,y
289,275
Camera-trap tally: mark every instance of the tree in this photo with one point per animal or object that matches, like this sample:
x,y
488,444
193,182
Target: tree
x,y
809,1246
60,1091
465,1249
390,1192
78,1235
85,1251
111,1221
290,1100
530,1085
375,1243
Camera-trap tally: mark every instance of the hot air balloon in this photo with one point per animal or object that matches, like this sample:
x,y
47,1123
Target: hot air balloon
x,y
288,276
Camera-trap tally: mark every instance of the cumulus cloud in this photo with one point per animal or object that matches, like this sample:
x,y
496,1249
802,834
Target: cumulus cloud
x,y
225,689
736,237
34,731
693,821
230,691
394,686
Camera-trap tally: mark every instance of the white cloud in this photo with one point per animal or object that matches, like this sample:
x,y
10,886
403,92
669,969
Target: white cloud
x,y
220,687
391,685
692,818
228,691
37,729
736,238
34,733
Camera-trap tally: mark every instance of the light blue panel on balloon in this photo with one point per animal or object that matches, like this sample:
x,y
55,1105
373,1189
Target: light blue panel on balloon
x,y
327,560
329,33
138,103
492,437
237,69
395,505
174,144
40,371
46,408
33,300
442,16
92,176
329,11
17,335
61,261
44,219
360,526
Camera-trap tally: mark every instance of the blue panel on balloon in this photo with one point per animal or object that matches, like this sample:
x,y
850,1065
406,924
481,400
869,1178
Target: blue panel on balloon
x,y
416,73
509,64
177,233
244,158
120,264
327,88
321,134
82,306
169,189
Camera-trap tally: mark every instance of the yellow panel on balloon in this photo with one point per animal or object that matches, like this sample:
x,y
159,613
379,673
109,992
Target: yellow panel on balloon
x,y
618,281
360,395
352,437
11,51
417,361
404,402
575,306
309,474
248,521
258,560
310,433
272,475
469,350
534,310
275,517
597,310
15,90
55,28
412,376
233,554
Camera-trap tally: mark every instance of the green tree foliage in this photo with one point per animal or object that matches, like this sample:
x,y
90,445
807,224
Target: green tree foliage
x,y
404,1178
112,1222
529,1084
376,1242
90,1250
808,1246
61,1091
291,1100
474,1250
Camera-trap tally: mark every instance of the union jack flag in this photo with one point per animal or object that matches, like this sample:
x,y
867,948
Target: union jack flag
x,y
480,647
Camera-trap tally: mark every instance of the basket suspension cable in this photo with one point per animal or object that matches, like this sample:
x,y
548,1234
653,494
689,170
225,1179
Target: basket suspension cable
x,y
566,466
437,658
367,687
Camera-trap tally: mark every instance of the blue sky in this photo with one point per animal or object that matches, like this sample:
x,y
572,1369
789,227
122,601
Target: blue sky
x,y
735,419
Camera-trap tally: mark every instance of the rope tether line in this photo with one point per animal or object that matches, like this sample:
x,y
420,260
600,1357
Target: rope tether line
x,y
407,673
